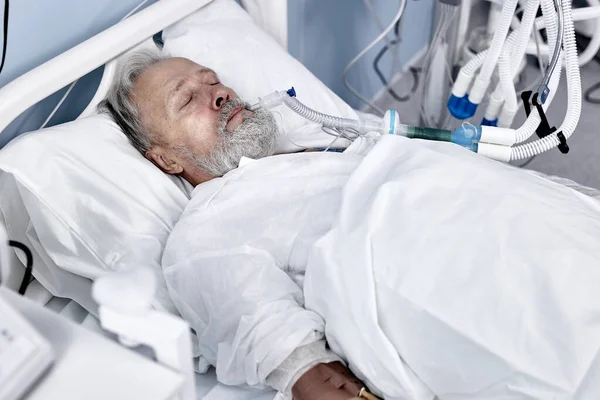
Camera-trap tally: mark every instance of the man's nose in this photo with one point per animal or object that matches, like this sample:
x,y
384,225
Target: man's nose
x,y
221,96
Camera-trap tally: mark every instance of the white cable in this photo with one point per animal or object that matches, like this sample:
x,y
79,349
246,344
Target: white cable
x,y
537,36
447,15
388,41
130,13
431,50
376,19
72,85
364,51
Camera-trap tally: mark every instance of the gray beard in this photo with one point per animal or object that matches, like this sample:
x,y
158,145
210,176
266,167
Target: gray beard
x,y
255,138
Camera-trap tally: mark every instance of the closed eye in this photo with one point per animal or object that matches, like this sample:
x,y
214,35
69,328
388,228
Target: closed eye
x,y
186,100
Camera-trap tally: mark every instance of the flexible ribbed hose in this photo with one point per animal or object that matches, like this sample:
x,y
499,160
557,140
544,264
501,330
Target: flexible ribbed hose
x,y
470,68
475,62
518,50
550,22
573,92
487,69
524,34
318,117
497,98
508,88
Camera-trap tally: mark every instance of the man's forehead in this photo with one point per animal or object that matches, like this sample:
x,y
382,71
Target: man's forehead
x,y
182,64
173,68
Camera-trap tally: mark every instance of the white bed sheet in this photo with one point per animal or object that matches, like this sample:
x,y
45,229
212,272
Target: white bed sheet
x,y
207,387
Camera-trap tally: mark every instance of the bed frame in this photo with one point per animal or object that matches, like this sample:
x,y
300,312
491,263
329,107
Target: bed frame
x,y
37,84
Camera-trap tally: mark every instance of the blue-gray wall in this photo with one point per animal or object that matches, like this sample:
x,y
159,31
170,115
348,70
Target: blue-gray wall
x,y
42,29
326,34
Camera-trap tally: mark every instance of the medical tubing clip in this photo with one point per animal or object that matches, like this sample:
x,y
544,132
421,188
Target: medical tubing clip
x,y
544,129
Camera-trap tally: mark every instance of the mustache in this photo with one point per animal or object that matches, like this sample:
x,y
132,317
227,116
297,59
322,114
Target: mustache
x,y
228,108
255,138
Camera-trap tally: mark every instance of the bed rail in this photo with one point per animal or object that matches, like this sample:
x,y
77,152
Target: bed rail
x,y
37,84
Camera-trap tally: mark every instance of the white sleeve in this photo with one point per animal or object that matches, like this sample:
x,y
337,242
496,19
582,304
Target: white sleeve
x,y
248,314
296,364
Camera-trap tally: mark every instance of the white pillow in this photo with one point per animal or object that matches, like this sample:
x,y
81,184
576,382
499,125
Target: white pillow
x,y
222,36
87,202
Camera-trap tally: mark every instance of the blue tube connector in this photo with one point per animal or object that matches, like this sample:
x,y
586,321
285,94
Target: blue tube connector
x,y
461,107
543,92
467,136
487,122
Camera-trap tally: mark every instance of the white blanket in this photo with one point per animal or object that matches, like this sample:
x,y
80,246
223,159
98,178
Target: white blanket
x,y
432,270
234,264
452,275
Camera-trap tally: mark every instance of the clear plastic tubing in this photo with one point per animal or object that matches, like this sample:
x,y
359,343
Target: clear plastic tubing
x,y
466,136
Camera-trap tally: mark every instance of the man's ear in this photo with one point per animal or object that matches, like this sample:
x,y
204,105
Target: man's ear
x,y
164,161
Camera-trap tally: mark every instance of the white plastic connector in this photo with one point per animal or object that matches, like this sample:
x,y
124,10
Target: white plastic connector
x,y
390,122
506,118
272,100
493,108
372,125
462,83
478,90
499,136
495,151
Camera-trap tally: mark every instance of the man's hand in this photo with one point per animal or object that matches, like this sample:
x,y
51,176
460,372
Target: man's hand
x,y
330,381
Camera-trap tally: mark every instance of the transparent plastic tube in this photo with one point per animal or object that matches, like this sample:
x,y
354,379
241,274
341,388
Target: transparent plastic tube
x,y
416,132
319,117
467,136
543,89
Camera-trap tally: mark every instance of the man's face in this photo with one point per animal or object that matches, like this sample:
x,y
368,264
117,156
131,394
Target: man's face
x,y
200,125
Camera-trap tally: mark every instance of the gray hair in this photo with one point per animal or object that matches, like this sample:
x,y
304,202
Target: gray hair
x,y
119,103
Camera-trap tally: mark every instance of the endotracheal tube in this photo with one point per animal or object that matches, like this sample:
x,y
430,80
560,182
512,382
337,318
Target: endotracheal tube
x,y
466,136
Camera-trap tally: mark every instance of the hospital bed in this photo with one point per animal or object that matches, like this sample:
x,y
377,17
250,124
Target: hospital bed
x,y
17,96
105,49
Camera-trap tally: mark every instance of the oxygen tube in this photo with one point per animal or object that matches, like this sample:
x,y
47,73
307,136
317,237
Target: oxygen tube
x,y
466,136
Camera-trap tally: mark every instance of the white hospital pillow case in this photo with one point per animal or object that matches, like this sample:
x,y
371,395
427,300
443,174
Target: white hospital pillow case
x,y
88,203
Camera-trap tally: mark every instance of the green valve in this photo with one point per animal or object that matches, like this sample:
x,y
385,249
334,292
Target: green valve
x,y
441,135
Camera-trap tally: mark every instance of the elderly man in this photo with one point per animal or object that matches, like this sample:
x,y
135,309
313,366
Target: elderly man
x,y
182,118
426,278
